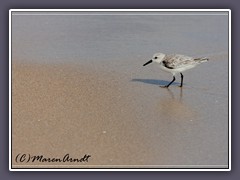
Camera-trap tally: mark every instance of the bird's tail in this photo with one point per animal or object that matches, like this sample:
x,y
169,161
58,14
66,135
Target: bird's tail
x,y
202,59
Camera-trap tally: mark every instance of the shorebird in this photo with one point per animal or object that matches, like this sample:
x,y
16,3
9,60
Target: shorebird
x,y
175,63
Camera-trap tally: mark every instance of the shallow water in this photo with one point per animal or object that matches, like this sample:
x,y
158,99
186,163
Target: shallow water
x,y
81,38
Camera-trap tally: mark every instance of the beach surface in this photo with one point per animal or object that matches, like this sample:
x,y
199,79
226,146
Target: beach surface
x,y
82,90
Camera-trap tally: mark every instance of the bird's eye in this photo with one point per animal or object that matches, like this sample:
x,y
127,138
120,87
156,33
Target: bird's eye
x,y
155,57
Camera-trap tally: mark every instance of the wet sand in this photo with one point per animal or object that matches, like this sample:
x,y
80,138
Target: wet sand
x,y
61,109
98,99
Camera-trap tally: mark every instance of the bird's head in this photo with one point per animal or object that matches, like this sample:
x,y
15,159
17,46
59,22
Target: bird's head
x,y
158,57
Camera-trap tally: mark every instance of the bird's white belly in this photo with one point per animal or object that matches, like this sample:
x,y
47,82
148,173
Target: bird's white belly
x,y
177,70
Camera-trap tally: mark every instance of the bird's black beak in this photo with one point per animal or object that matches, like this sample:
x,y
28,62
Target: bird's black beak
x,y
147,63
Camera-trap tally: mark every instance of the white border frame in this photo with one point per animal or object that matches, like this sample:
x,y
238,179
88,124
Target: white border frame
x,y
114,10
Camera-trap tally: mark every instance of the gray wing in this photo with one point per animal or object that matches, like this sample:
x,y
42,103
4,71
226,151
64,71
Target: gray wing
x,y
176,61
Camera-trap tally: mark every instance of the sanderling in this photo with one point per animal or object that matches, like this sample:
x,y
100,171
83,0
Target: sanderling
x,y
175,63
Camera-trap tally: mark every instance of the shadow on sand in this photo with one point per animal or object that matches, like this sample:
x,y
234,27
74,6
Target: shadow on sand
x,y
154,82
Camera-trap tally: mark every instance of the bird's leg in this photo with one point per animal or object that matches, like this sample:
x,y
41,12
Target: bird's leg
x,y
181,80
169,83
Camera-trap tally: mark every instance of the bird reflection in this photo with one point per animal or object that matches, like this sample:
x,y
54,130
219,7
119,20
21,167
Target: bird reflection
x,y
172,95
172,106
